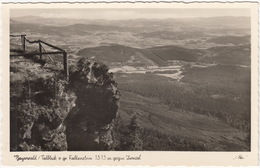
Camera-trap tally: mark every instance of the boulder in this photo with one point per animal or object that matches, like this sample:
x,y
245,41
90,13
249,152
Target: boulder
x,y
89,125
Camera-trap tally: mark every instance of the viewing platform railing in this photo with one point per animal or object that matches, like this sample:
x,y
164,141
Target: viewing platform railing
x,y
42,51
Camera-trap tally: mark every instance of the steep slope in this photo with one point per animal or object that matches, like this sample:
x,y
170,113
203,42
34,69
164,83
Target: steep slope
x,y
184,111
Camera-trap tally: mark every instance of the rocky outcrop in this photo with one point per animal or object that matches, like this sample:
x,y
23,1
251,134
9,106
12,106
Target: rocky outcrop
x,y
50,114
90,125
37,122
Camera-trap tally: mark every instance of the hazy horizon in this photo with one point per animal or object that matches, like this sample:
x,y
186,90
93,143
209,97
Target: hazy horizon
x,y
127,14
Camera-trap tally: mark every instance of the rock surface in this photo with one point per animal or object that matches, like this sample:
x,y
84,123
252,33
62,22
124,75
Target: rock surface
x,y
40,103
50,114
90,125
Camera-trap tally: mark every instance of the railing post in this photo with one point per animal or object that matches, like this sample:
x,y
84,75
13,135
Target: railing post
x,y
65,63
23,42
40,50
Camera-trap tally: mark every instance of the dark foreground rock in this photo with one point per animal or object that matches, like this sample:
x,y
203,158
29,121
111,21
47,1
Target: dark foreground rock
x,y
90,125
38,125
49,114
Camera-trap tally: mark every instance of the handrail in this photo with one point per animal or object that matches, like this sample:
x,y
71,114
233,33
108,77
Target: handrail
x,y
51,46
40,42
31,42
17,35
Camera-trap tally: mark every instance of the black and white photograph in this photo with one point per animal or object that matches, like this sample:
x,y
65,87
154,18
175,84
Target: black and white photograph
x,y
130,79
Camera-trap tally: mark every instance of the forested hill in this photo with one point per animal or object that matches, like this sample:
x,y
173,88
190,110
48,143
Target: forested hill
x,y
239,54
150,56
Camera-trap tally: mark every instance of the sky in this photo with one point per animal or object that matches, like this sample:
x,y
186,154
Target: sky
x,y
121,14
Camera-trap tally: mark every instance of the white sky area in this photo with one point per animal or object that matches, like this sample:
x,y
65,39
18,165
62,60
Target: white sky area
x,y
123,14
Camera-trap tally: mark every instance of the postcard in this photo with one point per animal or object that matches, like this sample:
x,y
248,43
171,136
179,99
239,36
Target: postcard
x,y
157,84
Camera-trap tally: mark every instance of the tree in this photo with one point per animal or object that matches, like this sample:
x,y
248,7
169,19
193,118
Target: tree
x,y
135,134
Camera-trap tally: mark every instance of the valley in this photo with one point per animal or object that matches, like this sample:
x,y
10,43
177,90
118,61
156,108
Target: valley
x,y
186,79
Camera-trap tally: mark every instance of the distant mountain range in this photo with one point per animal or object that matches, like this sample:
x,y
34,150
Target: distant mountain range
x,y
166,29
161,55
75,29
236,40
122,54
227,38
224,21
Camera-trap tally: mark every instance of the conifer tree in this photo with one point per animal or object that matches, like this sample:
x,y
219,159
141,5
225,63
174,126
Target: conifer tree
x,y
135,134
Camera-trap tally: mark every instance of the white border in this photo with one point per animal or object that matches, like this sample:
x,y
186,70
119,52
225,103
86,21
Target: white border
x,y
181,158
